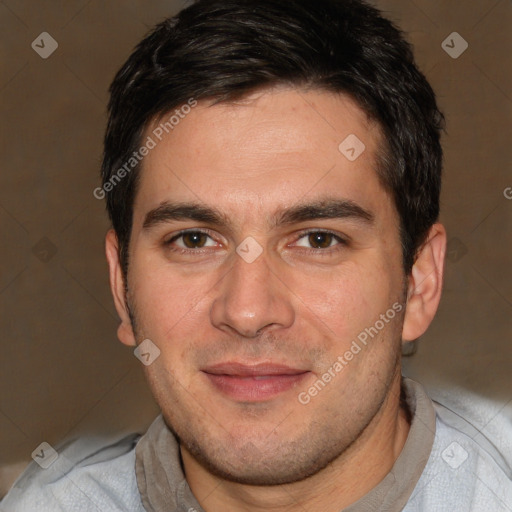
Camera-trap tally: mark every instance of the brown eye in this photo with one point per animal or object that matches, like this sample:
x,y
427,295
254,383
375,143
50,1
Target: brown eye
x,y
191,241
194,239
320,240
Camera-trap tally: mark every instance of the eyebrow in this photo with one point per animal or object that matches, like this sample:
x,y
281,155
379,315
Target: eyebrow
x,y
321,209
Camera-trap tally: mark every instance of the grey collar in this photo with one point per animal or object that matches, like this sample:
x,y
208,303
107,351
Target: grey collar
x,y
163,487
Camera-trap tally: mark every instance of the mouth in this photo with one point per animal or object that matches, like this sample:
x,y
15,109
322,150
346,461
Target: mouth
x,y
254,382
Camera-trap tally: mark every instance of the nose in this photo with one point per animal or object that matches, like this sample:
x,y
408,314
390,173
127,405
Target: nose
x,y
251,299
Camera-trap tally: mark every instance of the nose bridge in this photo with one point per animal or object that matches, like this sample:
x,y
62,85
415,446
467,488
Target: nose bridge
x,y
251,298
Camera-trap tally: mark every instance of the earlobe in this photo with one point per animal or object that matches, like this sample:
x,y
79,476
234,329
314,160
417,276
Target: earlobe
x,y
117,287
425,284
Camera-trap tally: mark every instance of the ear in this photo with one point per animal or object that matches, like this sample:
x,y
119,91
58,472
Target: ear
x,y
117,287
425,284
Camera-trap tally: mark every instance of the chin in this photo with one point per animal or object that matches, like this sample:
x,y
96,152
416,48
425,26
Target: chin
x,y
285,464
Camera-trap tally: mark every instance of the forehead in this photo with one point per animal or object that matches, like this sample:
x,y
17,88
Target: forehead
x,y
271,150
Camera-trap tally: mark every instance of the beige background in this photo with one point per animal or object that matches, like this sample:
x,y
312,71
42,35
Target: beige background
x,y
62,370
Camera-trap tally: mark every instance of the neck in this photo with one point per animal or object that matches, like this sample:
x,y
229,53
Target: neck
x,y
352,475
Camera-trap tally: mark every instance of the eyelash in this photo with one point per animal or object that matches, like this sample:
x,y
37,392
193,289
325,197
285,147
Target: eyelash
x,y
342,242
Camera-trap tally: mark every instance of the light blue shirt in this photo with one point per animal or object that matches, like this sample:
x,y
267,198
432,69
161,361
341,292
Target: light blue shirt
x,y
465,472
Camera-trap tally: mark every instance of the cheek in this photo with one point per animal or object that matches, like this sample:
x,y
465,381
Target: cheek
x,y
173,308
344,302
165,301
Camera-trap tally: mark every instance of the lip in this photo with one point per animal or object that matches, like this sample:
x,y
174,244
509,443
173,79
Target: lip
x,y
253,382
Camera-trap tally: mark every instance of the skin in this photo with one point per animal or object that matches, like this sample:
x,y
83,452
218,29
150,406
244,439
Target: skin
x,y
299,303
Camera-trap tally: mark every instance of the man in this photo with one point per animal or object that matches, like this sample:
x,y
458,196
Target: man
x,y
272,172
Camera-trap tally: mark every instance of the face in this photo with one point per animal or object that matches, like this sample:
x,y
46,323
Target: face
x,y
259,255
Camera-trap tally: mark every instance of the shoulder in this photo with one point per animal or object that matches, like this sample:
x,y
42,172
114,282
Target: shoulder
x,y
469,468
88,475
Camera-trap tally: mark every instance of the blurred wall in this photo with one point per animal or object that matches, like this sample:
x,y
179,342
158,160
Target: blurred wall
x,y
62,370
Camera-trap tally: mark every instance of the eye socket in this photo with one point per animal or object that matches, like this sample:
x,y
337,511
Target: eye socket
x,y
316,241
193,239
320,240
